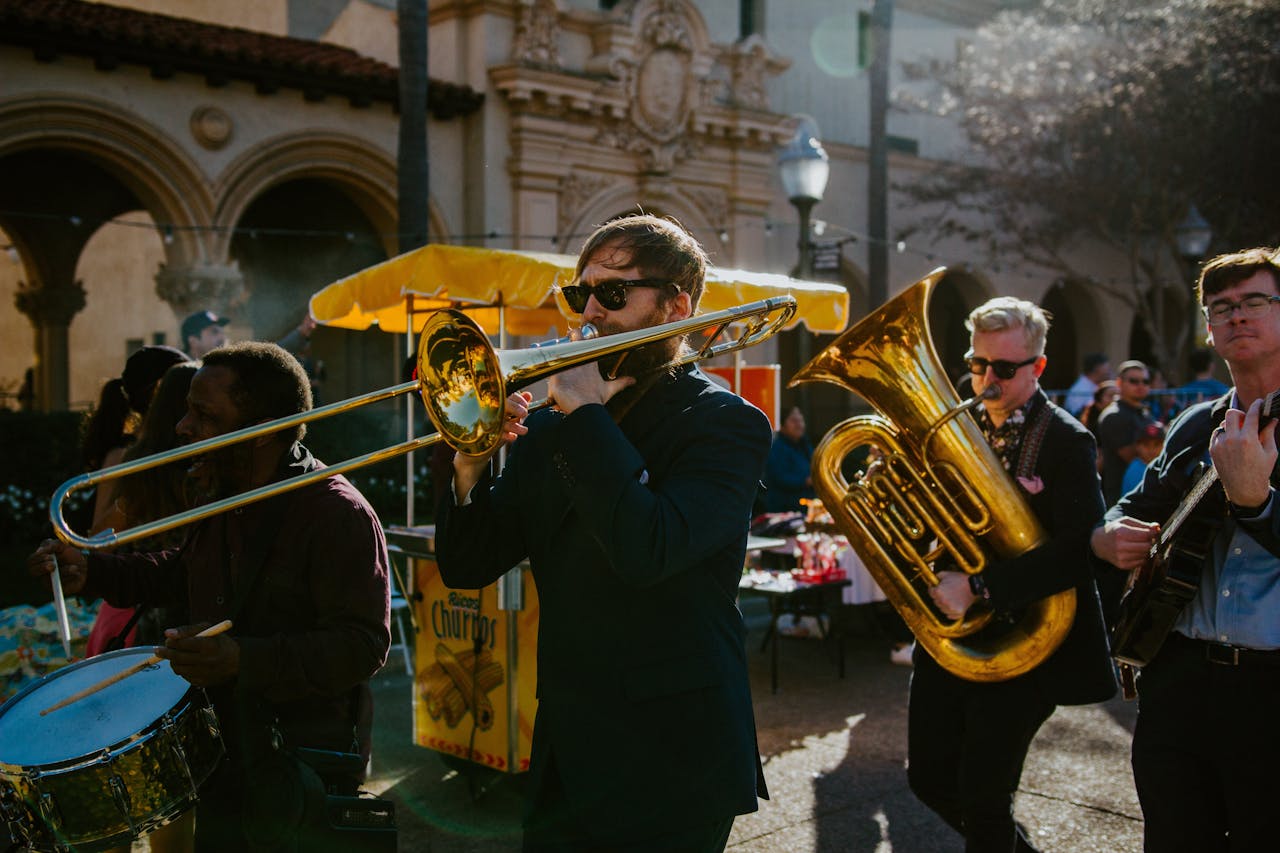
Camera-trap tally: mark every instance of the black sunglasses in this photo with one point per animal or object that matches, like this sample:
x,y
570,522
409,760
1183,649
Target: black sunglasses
x,y
1003,369
611,294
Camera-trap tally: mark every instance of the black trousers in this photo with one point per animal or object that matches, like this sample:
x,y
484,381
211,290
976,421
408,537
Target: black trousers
x,y
1206,752
966,743
552,826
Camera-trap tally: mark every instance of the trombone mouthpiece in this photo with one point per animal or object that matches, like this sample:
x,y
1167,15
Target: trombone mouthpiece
x,y
588,331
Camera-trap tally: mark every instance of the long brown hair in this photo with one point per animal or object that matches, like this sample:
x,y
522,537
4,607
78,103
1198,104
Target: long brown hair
x,y
157,493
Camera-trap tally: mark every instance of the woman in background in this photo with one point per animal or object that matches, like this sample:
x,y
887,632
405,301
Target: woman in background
x,y
786,474
137,499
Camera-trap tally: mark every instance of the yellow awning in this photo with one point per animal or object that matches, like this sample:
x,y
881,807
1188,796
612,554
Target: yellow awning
x,y
476,279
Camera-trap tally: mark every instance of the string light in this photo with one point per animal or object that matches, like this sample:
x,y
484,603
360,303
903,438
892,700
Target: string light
x,y
167,232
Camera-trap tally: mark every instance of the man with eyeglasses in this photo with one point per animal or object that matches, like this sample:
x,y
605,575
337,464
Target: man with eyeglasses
x,y
631,500
1121,424
1206,748
967,740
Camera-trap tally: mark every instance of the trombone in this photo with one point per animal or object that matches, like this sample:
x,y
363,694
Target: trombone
x,y
464,382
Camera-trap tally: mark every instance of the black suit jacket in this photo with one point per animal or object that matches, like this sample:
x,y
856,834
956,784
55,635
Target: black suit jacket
x,y
1068,502
636,536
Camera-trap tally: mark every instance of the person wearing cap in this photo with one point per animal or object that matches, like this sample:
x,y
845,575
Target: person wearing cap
x,y
1150,443
1206,746
203,331
1120,424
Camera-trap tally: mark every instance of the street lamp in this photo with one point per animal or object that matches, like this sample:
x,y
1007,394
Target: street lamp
x,y
1193,235
804,168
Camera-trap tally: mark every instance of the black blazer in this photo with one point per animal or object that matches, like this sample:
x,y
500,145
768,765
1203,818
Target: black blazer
x,y
636,536
1065,496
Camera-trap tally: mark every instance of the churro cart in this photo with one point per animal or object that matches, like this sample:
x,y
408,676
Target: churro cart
x,y
475,654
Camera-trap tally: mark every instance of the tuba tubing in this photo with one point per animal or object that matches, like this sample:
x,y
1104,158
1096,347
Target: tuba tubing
x,y
939,492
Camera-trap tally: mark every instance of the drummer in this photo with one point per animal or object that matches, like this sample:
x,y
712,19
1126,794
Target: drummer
x,y
303,577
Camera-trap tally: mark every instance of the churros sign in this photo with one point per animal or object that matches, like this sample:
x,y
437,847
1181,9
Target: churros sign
x,y
466,689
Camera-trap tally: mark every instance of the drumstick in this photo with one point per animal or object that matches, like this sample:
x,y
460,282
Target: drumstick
x,y
211,631
60,604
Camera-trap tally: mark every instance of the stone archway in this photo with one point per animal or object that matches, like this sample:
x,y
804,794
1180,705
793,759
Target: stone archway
x,y
122,164
366,173
1079,326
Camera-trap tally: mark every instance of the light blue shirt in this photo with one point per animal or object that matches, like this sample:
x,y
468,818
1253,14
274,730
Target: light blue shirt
x,y
1239,597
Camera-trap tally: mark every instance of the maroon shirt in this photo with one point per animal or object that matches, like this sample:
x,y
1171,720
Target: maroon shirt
x,y
315,622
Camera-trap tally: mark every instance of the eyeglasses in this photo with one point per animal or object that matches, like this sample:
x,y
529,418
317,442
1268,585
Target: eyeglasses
x,y
1137,380
1003,369
1252,306
611,294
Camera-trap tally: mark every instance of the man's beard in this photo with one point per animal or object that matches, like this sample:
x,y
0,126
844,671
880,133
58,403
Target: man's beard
x,y
217,475
640,362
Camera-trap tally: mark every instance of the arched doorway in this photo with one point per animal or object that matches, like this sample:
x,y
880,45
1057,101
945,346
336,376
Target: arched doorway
x,y
292,240
1061,348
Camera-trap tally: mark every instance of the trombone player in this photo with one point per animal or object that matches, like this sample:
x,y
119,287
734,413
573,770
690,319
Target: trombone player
x,y
967,740
631,500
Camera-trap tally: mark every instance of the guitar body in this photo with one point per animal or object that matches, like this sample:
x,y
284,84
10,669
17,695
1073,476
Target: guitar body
x,y
1158,591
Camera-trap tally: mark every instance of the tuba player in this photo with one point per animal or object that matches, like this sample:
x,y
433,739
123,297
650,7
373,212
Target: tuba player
x,y
967,740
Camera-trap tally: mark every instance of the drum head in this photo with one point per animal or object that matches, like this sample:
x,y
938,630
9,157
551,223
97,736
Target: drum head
x,y
110,717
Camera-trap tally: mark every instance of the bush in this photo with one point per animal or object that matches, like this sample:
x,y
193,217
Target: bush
x,y
41,452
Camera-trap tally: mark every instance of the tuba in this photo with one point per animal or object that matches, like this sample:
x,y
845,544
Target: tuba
x,y
938,493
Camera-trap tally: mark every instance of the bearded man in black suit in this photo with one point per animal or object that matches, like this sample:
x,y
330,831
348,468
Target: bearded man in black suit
x,y
631,500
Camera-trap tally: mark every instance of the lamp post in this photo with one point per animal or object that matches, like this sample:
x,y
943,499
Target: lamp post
x,y
804,168
1193,235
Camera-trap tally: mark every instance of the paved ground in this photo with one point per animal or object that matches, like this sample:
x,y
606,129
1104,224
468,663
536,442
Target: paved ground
x,y
834,751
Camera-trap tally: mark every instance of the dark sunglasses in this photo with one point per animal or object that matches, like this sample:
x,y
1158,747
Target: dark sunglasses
x,y
1003,369
611,294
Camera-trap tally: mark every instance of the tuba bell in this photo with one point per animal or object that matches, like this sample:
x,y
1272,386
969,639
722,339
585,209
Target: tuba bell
x,y
939,492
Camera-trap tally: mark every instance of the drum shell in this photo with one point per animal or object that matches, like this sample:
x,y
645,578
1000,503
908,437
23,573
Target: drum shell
x,y
125,789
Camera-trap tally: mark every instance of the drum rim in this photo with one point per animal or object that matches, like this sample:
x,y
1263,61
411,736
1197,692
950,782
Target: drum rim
x,y
28,772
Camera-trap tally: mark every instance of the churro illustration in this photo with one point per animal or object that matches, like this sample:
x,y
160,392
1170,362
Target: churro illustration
x,y
455,682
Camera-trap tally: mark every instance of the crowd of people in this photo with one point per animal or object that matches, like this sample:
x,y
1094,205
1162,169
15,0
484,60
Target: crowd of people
x,y
631,499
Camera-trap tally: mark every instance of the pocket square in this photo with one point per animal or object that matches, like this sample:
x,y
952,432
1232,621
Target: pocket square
x,y
1033,485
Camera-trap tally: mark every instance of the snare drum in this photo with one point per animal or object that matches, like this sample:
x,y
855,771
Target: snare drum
x,y
110,767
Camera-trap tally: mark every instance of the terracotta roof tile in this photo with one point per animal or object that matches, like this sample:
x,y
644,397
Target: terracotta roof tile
x,y
113,35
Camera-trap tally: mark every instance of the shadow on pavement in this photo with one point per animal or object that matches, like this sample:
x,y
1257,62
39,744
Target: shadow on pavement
x,y
834,753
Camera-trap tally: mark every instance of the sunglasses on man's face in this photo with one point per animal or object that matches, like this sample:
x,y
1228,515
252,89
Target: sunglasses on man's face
x,y
1002,369
611,294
